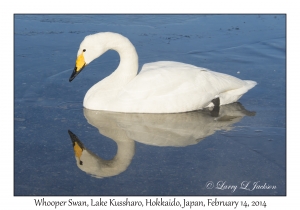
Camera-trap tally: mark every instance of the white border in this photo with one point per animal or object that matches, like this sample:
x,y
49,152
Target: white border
x,y
153,6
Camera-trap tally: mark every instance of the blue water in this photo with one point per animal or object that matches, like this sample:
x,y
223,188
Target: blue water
x,y
162,155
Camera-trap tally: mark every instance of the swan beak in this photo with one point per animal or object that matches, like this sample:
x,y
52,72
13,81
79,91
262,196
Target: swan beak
x,y
80,64
77,145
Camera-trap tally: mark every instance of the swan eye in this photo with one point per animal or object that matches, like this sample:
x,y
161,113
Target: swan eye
x,y
84,50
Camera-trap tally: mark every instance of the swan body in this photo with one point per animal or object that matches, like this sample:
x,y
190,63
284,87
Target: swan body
x,y
160,87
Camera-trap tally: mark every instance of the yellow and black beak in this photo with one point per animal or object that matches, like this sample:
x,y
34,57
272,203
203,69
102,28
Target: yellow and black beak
x,y
77,146
80,64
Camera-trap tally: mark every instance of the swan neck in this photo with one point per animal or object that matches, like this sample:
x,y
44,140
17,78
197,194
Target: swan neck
x,y
128,66
120,162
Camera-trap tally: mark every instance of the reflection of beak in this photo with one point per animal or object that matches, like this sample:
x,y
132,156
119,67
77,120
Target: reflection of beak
x,y
77,145
80,64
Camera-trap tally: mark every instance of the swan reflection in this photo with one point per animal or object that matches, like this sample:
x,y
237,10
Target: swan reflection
x,y
177,130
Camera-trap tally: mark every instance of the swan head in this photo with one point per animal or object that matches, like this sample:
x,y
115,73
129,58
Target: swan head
x,y
90,48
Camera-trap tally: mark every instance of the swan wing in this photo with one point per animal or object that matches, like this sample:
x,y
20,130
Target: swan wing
x,y
167,86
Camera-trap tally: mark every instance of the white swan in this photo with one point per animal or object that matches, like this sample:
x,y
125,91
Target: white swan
x,y
160,87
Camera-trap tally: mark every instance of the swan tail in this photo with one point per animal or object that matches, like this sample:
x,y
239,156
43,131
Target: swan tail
x,y
234,95
250,84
